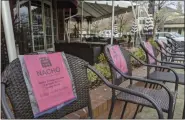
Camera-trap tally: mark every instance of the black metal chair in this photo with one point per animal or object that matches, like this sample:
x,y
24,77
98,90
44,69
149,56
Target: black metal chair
x,y
154,57
175,46
159,75
169,64
164,99
167,55
13,87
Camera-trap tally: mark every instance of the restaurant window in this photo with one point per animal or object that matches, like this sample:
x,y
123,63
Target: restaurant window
x,y
34,25
55,26
179,30
169,29
21,25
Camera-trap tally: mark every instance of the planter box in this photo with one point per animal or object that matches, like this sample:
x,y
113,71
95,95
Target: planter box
x,y
86,51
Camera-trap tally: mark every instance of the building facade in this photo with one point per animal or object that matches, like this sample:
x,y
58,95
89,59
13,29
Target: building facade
x,y
39,23
175,25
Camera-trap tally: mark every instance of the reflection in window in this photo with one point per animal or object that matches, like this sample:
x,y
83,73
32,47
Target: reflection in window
x,y
37,25
48,26
55,19
22,28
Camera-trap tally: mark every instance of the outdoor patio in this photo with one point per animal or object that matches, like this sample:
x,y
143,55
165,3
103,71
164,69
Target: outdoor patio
x,y
101,100
56,65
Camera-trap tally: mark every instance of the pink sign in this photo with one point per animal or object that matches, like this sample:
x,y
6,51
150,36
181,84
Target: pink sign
x,y
118,58
150,50
162,45
50,80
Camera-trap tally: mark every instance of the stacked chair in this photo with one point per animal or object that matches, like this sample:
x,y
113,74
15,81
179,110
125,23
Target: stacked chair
x,y
163,100
175,46
167,55
151,53
175,53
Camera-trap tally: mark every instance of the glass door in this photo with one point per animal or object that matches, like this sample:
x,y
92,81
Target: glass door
x,y
22,27
37,26
48,25
42,25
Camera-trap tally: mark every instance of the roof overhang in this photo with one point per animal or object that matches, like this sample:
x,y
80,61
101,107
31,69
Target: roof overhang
x,y
103,9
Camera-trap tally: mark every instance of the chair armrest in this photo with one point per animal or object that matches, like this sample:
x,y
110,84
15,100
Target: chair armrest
x,y
171,53
157,66
140,79
6,109
172,63
126,90
165,61
168,68
175,56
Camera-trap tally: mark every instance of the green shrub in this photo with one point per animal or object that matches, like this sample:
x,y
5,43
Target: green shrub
x,y
102,68
153,42
102,59
140,54
91,76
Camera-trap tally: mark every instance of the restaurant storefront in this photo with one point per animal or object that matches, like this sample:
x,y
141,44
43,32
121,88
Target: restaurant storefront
x,y
38,23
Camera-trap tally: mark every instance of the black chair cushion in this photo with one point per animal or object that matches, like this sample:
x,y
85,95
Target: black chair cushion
x,y
166,76
160,96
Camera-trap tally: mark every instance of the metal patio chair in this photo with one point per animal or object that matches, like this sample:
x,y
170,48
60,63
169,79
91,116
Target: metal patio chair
x,y
167,55
154,57
160,75
13,86
163,98
175,46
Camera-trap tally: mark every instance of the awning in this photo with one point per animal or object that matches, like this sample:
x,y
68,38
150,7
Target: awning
x,y
103,9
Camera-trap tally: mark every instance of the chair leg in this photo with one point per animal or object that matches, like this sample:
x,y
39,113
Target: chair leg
x,y
90,110
146,85
141,109
143,106
154,86
123,111
170,114
171,110
150,86
136,111
112,107
183,116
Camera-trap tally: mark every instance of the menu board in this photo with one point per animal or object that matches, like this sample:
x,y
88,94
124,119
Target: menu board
x,y
48,78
